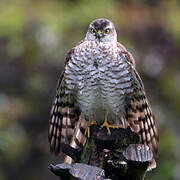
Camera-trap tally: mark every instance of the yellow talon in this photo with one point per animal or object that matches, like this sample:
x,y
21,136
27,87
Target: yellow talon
x,y
107,125
93,122
87,131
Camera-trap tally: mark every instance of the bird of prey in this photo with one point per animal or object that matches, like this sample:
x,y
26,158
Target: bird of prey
x,y
100,85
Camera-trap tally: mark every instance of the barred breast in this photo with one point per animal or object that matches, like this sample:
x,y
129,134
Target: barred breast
x,y
99,77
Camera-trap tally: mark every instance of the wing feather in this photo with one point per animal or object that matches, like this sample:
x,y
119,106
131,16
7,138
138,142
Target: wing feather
x,y
139,114
141,120
64,114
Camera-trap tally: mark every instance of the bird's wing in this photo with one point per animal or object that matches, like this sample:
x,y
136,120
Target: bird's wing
x,y
64,114
139,115
129,56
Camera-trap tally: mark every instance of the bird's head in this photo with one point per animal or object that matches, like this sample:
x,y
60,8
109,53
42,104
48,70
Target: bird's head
x,y
101,30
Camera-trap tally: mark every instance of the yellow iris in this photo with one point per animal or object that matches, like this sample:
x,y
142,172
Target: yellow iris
x,y
107,31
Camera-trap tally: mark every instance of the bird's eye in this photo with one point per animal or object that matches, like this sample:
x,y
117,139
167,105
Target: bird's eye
x,y
93,31
107,31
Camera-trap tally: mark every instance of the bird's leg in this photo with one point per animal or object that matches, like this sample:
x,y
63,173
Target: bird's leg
x,y
107,125
87,131
93,122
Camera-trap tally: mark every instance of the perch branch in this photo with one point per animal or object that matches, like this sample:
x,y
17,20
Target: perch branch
x,y
115,156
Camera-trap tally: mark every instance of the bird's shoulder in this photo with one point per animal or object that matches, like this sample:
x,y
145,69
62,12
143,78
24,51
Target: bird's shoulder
x,y
130,60
127,54
66,61
71,52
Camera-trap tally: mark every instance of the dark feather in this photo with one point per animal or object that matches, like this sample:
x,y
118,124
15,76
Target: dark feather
x,y
64,114
139,116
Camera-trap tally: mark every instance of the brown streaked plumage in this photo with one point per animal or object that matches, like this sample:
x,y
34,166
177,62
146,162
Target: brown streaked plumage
x,y
100,79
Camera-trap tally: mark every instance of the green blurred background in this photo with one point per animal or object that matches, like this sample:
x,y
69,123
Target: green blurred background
x,y
34,38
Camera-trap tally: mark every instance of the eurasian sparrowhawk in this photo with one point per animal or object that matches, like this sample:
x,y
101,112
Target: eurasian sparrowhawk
x,y
100,85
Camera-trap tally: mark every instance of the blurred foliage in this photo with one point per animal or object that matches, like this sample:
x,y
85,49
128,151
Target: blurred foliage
x,y
34,39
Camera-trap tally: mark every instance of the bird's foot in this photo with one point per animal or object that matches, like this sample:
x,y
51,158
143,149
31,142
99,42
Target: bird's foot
x,y
87,131
107,125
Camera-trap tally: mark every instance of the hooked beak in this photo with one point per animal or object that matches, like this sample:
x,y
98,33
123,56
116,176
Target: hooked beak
x,y
99,34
